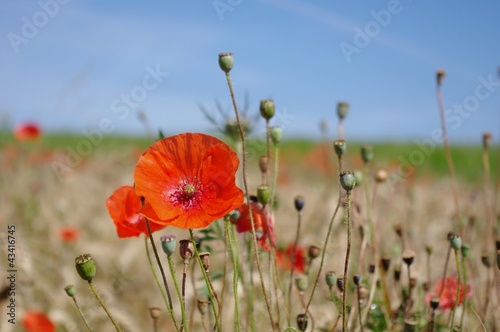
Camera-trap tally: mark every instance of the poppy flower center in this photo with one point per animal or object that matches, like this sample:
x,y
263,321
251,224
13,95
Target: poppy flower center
x,y
187,193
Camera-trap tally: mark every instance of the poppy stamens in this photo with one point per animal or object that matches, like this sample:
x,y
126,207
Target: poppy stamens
x,y
187,193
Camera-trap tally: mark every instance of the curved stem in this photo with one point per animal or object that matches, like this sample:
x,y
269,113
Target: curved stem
x,y
96,294
211,291
177,289
234,259
81,314
170,311
244,154
323,252
346,263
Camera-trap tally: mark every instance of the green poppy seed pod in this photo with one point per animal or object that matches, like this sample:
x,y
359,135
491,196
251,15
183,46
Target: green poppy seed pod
x,y
367,153
313,252
85,266
330,278
456,242
339,146
440,74
408,257
347,180
234,216
357,278
168,243
226,61
498,259
276,135
465,250
263,194
205,260
298,201
342,110
70,290
434,302
302,322
154,312
267,108
301,283
359,177
186,249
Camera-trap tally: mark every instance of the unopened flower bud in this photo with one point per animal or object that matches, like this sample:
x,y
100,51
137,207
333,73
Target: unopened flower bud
x,y
186,249
340,284
263,163
313,252
302,322
330,278
203,305
339,146
226,61
298,201
357,279
276,135
205,260
85,266
267,108
70,290
465,250
440,74
367,153
264,194
347,180
168,244
301,283
486,259
154,312
381,175
342,110
486,140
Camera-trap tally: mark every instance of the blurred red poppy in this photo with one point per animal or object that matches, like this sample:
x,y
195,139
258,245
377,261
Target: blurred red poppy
x,y
263,224
188,180
27,132
36,321
69,234
284,257
123,207
449,296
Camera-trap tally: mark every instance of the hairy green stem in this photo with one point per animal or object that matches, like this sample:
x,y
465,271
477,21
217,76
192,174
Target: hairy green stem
x,y
177,289
81,314
346,263
96,294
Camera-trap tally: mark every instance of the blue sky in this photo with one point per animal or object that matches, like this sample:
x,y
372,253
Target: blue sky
x,y
71,71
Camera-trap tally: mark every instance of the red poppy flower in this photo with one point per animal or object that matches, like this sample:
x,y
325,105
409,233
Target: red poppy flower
x,y
284,257
188,180
123,207
263,224
69,234
449,296
35,321
27,132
